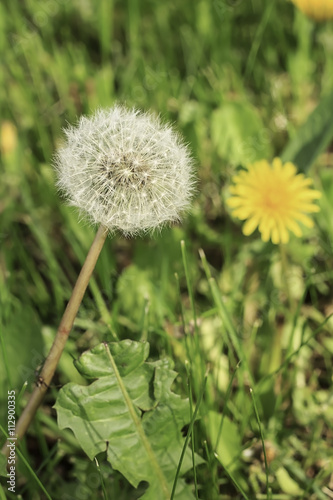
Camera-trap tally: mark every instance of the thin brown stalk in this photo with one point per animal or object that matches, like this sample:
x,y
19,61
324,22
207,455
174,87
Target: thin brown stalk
x,y
61,337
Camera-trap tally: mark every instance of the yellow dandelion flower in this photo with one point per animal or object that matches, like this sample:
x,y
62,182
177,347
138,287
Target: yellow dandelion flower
x,y
274,199
320,10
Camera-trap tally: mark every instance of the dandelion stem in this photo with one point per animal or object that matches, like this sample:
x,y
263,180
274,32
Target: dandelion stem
x,y
284,268
61,337
276,347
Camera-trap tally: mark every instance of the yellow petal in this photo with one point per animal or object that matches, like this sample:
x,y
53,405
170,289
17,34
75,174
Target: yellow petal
x,y
284,235
250,226
304,219
242,213
294,227
234,202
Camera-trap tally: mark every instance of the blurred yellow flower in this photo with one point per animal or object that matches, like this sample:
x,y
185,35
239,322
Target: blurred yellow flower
x,y
8,137
320,10
273,198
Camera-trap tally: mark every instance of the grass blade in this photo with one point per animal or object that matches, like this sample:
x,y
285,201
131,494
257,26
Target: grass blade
x,y
262,441
26,463
189,432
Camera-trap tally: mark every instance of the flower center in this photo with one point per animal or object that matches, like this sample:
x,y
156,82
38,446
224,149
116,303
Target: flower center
x,y
274,197
127,170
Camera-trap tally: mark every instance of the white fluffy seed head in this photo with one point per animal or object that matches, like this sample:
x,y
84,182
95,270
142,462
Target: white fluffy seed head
x,y
126,170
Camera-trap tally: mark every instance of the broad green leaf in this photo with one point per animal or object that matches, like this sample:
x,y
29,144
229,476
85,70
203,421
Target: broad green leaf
x,y
312,137
238,133
129,411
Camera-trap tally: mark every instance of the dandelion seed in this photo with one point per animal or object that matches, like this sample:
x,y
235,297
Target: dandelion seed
x,y
117,166
320,10
274,199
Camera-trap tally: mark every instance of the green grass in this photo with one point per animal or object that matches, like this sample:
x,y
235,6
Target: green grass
x,y
237,81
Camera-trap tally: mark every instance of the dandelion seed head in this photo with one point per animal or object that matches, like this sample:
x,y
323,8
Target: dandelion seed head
x,y
274,199
126,170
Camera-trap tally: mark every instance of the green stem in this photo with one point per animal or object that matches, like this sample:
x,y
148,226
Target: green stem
x,y
284,266
189,433
196,348
262,442
275,358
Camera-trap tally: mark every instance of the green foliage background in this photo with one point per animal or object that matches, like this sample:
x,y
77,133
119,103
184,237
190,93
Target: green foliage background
x,y
240,80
